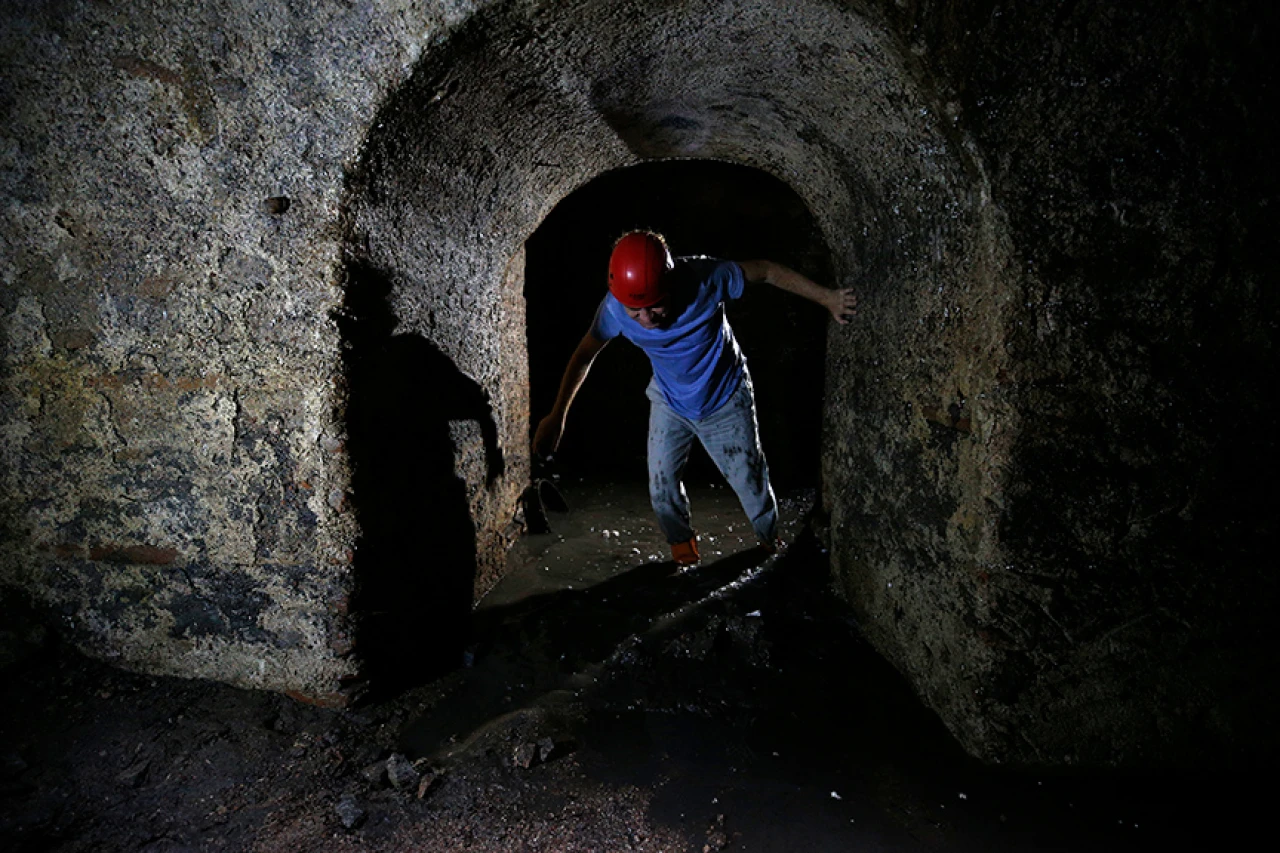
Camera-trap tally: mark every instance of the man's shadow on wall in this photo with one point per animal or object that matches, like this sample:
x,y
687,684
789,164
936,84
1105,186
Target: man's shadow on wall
x,y
415,559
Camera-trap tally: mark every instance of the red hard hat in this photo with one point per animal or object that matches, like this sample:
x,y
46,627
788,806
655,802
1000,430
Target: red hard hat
x,y
636,268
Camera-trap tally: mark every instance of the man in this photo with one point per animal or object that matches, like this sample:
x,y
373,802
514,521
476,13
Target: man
x,y
674,311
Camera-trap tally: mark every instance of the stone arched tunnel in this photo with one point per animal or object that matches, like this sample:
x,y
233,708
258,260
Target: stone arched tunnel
x,y
233,232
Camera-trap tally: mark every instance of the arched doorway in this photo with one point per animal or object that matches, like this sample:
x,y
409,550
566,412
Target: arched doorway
x,y
703,208
521,106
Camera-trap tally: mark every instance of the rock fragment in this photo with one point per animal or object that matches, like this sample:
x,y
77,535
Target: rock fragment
x,y
135,774
375,773
717,837
402,774
427,782
525,755
350,812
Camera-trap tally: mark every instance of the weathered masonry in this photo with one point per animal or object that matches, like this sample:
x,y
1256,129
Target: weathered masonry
x,y
248,247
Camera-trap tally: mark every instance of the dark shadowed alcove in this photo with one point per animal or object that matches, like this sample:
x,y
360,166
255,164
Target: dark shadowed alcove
x,y
408,408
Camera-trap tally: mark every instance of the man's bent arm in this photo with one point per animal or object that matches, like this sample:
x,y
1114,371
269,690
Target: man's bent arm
x,y
842,304
547,438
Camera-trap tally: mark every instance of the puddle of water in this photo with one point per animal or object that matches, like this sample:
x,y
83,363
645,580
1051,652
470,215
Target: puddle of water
x,y
610,529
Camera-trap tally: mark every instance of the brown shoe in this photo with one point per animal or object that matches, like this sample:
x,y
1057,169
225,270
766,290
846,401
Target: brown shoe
x,y
686,553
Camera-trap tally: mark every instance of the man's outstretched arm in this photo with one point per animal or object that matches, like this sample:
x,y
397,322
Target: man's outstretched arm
x,y
547,437
842,304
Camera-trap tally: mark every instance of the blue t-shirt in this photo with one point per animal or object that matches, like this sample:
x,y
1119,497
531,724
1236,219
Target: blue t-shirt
x,y
696,360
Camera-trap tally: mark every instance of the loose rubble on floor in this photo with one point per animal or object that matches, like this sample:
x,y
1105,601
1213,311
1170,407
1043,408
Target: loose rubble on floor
x,y
635,709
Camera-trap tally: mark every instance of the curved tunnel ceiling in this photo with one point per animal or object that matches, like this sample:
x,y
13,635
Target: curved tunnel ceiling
x,y
524,103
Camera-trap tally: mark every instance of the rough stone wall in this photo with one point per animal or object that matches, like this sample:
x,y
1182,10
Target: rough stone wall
x,y
1131,156
527,102
174,477
1118,610
915,443
241,237
237,284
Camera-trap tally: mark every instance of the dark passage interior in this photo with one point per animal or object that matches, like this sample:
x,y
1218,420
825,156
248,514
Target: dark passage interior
x,y
703,208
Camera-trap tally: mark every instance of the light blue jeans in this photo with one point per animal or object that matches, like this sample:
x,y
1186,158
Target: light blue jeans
x,y
732,440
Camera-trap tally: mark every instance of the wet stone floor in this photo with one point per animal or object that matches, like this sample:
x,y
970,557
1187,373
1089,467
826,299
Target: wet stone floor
x,y
609,702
